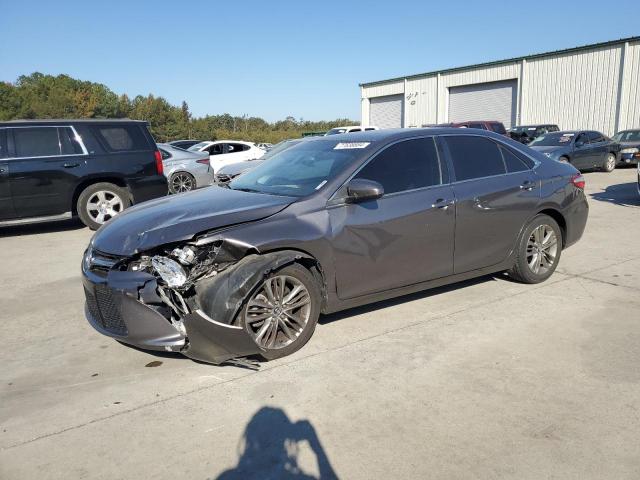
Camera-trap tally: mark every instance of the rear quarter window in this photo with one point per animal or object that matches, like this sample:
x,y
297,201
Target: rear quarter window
x,y
122,138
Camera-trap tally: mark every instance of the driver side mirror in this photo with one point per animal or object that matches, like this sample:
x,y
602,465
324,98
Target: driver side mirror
x,y
361,189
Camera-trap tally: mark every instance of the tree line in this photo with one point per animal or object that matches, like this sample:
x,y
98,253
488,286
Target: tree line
x,y
47,96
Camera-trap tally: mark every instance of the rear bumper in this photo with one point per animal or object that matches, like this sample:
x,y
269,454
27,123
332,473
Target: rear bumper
x,y
576,217
147,188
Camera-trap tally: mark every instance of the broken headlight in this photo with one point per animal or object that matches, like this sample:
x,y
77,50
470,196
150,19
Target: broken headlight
x,y
169,270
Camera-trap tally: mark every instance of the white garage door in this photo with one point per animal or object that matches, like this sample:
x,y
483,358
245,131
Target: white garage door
x,y
386,112
484,101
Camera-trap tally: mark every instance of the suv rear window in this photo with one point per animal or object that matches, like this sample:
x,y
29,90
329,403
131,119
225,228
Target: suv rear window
x,y
121,138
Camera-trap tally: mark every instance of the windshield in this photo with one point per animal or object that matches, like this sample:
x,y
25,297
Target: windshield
x,y
629,136
279,147
336,131
198,146
553,140
300,170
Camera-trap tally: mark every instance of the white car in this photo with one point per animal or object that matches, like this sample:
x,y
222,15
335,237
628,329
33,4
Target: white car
x,y
349,129
226,152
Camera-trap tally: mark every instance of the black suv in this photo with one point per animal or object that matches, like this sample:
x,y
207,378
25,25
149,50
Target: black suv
x,y
55,169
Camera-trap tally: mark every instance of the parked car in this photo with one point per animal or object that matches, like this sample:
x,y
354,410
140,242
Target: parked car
x,y
231,171
93,169
527,133
490,125
224,152
629,141
184,144
583,149
349,129
328,224
185,171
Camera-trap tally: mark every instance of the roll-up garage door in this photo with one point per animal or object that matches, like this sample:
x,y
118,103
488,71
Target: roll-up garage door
x,y
386,112
484,101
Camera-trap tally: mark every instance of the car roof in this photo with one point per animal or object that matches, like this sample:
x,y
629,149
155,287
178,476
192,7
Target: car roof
x,y
392,134
45,121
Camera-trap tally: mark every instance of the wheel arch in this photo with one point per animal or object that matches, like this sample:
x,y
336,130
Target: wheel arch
x,y
560,220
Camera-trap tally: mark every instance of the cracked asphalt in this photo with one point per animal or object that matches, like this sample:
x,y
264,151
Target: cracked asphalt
x,y
483,379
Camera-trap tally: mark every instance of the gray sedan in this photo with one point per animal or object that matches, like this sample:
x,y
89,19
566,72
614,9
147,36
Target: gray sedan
x,y
185,170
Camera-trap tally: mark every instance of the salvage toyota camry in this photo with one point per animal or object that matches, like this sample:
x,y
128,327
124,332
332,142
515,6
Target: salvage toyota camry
x,y
331,223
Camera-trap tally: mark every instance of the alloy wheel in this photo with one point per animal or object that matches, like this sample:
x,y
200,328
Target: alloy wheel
x,y
278,312
103,205
181,182
611,163
542,249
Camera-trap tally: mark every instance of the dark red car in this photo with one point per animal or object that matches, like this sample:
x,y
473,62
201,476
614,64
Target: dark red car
x,y
491,125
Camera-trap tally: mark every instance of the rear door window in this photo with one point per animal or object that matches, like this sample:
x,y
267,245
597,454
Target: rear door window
x,y
513,162
474,157
69,144
122,138
36,142
406,165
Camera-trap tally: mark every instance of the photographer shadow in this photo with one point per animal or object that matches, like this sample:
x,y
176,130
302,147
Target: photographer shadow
x,y
272,446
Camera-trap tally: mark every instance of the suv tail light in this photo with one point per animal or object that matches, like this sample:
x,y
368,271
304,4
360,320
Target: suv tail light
x,y
204,161
159,167
578,181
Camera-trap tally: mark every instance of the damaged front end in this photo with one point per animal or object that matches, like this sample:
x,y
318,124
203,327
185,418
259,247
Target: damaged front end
x,y
182,298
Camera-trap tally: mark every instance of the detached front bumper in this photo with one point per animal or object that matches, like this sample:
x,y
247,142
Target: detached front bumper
x,y
125,306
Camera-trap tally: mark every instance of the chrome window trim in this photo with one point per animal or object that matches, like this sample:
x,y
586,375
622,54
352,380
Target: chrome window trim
x,y
76,136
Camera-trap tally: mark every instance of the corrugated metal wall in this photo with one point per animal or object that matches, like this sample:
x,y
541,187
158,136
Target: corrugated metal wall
x,y
580,89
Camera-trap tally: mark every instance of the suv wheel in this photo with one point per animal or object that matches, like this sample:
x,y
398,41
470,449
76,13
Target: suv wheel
x,y
100,202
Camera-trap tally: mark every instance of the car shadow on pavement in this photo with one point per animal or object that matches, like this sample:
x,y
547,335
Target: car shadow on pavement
x,y
332,317
273,446
44,227
624,194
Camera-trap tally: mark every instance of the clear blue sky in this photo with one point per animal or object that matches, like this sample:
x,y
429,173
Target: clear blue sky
x,y
278,58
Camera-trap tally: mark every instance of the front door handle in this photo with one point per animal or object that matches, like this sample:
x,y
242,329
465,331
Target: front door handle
x,y
528,186
1,170
442,204
71,165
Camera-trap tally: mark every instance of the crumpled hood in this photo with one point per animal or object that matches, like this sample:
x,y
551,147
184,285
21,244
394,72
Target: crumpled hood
x,y
180,217
550,149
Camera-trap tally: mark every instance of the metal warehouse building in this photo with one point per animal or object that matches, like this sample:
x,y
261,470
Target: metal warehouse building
x,y
593,87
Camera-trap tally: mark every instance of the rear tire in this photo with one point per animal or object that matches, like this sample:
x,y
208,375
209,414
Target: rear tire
x,y
609,163
100,202
538,251
292,326
181,182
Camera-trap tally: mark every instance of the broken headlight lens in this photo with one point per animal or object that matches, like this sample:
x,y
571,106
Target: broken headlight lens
x,y
170,271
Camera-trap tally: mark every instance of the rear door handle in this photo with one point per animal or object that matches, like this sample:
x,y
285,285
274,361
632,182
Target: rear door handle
x,y
71,165
442,204
528,185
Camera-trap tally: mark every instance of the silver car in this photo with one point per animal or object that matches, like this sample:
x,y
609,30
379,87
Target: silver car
x,y
185,170
228,172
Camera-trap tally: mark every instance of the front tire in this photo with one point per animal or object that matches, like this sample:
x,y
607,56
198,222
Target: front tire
x,y
100,202
538,251
609,163
281,314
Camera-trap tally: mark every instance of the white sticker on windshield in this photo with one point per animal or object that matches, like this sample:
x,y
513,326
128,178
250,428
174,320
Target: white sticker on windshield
x,y
533,128
349,145
321,185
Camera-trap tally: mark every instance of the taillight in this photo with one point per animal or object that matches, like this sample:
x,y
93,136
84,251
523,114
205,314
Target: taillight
x,y
159,167
578,181
204,161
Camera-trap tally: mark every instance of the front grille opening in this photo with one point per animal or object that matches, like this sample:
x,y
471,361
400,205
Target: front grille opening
x,y
105,309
